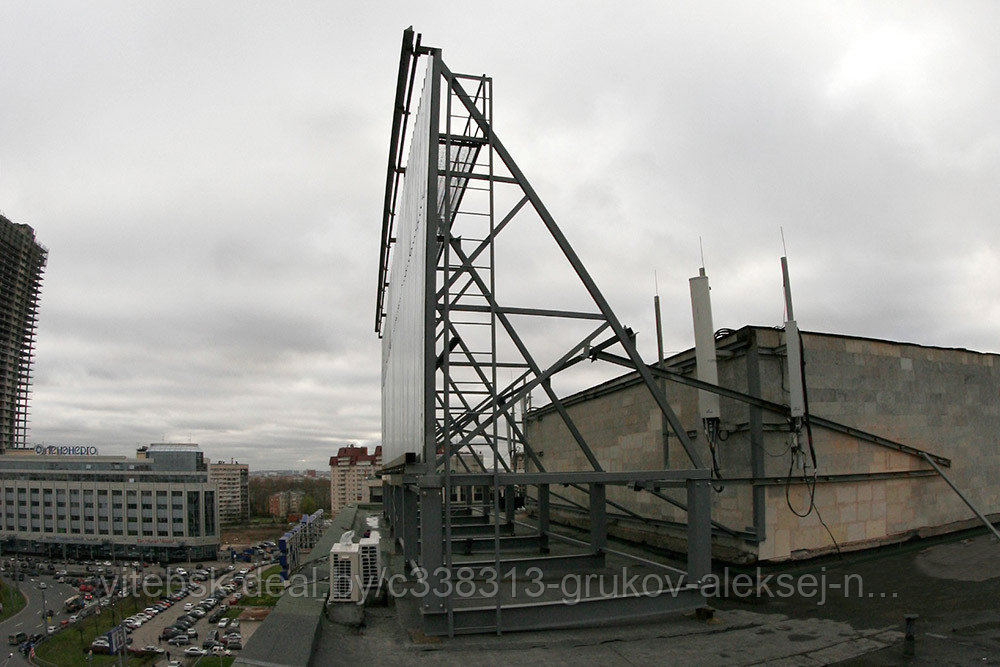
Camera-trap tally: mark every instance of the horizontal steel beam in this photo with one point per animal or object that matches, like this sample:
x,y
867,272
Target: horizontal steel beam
x,y
474,520
537,312
621,477
475,530
546,564
840,477
588,612
481,545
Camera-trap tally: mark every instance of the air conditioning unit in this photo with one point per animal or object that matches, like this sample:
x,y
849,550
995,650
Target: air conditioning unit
x,y
371,562
345,573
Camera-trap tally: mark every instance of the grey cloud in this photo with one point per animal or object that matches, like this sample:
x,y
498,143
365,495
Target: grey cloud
x,y
209,183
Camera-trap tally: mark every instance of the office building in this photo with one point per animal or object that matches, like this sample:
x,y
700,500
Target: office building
x,y
348,470
232,482
71,502
22,261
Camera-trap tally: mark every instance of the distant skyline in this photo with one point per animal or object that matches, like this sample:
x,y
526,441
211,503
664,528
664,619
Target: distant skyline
x,y
208,181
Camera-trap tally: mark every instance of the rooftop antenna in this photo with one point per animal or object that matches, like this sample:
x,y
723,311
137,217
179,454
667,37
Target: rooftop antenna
x,y
659,362
796,377
659,324
705,358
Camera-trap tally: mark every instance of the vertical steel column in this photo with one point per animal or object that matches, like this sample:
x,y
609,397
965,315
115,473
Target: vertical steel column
x,y
386,503
431,547
397,512
410,524
757,465
543,509
598,518
508,503
445,234
431,517
699,529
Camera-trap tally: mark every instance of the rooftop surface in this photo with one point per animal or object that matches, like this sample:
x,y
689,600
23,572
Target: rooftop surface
x,y
831,611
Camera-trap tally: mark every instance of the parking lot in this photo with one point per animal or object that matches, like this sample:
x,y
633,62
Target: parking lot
x,y
200,630
116,590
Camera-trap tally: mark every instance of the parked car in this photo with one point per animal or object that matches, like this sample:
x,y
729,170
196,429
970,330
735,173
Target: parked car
x,y
194,651
179,640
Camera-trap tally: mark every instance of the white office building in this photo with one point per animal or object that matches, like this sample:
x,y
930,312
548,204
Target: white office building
x,y
70,502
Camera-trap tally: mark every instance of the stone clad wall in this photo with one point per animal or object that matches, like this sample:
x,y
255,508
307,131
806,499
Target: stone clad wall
x,y
944,401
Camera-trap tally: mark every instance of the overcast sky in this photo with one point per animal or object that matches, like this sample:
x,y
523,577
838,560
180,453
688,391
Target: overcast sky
x,y
208,180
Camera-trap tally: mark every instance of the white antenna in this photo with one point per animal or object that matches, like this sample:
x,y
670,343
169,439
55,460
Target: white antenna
x,y
701,249
704,344
796,393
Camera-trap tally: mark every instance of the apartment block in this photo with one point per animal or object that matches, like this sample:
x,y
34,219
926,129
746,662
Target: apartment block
x,y
233,483
348,471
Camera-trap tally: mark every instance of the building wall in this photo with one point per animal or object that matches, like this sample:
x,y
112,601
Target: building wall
x,y
348,471
233,482
133,510
22,261
283,503
941,400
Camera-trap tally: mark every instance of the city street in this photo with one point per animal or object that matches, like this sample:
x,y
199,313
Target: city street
x,y
30,620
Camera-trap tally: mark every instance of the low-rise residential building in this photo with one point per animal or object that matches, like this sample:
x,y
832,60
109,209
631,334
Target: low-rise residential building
x,y
283,503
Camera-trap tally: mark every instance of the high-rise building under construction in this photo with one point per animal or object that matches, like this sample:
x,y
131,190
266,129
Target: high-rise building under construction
x,y
22,261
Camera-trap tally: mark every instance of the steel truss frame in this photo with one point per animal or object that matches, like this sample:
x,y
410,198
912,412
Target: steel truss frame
x,y
464,404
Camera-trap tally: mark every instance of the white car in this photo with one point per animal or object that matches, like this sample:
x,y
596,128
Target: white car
x,y
74,618
50,630
195,651
188,606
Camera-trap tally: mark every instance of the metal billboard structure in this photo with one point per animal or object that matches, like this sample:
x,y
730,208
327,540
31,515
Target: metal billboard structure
x,y
466,339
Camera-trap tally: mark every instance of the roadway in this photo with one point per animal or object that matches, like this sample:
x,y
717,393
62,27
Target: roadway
x,y
30,619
